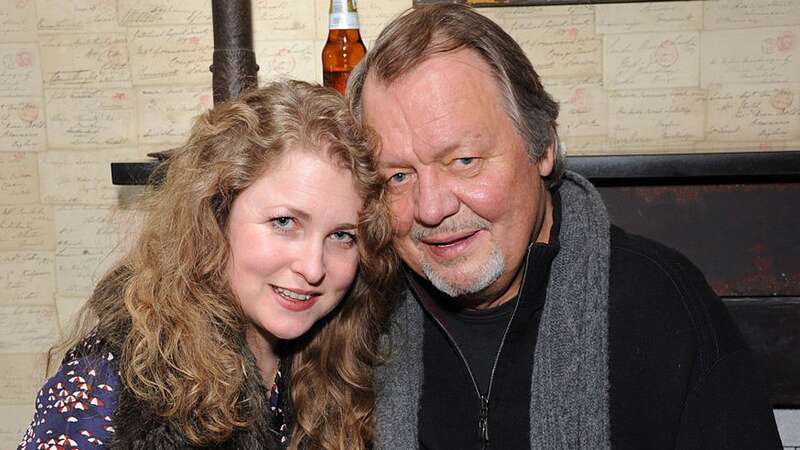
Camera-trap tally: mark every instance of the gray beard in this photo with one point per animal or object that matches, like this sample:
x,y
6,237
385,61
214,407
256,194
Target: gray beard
x,y
487,274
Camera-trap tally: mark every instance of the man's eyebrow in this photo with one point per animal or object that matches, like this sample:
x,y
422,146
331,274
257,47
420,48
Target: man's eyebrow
x,y
449,149
390,164
465,141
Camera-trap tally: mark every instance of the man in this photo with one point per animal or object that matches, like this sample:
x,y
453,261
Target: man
x,y
530,321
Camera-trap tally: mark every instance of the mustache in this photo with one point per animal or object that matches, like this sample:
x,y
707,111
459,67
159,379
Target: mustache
x,y
449,225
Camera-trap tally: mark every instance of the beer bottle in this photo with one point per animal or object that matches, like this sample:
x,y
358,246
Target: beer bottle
x,y
344,48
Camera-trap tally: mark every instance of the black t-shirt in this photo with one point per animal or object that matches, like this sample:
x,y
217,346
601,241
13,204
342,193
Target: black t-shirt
x,y
478,333
450,412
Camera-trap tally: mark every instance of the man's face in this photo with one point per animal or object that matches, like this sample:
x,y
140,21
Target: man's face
x,y
464,195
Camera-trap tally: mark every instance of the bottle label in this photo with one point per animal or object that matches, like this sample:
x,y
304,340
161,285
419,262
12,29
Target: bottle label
x,y
343,21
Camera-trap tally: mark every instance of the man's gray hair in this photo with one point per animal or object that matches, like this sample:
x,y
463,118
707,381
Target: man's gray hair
x,y
422,32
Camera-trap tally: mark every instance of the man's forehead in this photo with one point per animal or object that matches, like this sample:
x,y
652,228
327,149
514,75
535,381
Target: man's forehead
x,y
432,111
451,63
424,137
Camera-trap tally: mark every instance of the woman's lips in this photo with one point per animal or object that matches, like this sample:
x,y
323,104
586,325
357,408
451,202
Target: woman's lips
x,y
294,300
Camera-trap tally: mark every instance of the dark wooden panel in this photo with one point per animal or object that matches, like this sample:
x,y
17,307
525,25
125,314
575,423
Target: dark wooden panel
x,y
771,327
631,168
744,237
614,169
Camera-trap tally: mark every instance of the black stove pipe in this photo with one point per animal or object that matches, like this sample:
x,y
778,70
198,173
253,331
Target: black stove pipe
x,y
234,69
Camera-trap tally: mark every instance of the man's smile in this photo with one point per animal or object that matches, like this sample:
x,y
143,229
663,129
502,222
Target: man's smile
x,y
451,245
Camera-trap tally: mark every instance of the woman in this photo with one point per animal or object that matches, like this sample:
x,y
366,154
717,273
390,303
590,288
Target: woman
x,y
268,218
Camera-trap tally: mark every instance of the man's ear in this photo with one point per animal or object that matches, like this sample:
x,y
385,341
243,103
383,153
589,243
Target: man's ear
x,y
545,162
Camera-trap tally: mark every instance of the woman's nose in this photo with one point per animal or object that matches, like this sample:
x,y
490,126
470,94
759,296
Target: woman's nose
x,y
309,262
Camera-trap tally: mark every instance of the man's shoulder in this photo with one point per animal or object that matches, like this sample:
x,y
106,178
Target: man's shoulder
x,y
655,267
676,358
632,250
662,290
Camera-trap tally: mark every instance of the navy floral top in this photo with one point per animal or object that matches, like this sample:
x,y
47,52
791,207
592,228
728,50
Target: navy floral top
x,y
278,415
74,409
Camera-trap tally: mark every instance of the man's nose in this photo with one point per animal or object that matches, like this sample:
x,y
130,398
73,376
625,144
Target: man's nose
x,y
309,262
435,199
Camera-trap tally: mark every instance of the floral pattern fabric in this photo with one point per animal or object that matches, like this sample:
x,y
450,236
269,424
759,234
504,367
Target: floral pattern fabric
x,y
75,407
275,406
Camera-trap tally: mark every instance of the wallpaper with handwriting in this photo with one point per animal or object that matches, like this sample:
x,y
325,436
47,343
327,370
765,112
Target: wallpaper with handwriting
x,y
87,82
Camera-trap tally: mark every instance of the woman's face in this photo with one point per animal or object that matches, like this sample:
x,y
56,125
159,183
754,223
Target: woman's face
x,y
292,236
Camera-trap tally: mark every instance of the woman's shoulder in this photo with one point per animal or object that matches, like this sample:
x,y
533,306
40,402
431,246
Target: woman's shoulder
x,y
75,406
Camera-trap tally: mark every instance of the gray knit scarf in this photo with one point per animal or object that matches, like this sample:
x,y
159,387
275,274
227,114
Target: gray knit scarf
x,y
569,389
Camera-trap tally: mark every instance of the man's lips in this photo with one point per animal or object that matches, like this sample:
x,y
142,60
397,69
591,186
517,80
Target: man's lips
x,y
450,239
452,245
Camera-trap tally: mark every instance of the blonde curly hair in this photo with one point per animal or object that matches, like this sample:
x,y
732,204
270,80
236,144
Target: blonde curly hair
x,y
168,305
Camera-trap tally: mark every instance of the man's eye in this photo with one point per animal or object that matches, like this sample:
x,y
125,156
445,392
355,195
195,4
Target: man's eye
x,y
465,161
398,178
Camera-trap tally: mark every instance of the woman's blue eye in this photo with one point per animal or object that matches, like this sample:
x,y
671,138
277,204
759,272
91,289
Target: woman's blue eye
x,y
282,223
344,236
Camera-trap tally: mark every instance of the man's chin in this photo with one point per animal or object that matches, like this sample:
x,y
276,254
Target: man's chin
x,y
463,282
464,276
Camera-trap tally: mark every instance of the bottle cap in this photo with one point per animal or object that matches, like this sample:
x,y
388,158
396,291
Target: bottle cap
x,y
341,16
